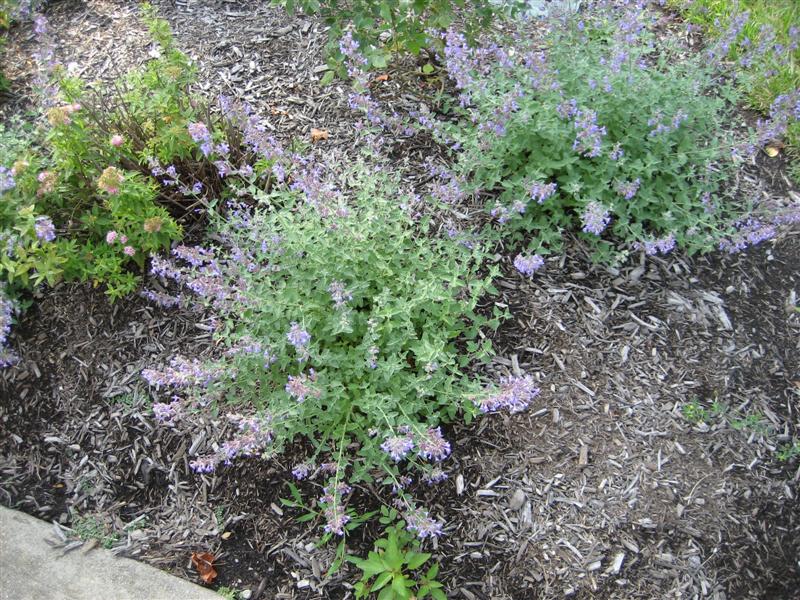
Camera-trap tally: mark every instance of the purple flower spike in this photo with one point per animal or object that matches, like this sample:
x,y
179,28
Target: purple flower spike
x,y
420,522
45,230
528,265
595,218
298,337
433,446
398,446
514,395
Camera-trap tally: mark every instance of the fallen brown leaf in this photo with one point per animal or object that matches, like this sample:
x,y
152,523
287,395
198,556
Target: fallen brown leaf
x,y
204,563
384,77
318,135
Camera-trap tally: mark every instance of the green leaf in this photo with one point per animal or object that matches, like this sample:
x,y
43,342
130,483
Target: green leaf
x,y
438,595
399,586
416,560
327,78
428,68
386,594
382,580
379,60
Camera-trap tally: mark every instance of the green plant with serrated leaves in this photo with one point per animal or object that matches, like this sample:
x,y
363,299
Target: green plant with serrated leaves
x,y
394,569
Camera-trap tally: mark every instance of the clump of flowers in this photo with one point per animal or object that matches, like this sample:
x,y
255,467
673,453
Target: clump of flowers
x,y
7,309
528,265
620,142
348,342
45,230
110,180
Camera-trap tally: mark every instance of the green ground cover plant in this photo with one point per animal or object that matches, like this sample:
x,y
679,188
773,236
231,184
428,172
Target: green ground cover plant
x,y
763,38
395,569
107,176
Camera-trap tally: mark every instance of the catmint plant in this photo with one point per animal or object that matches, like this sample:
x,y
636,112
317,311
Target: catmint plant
x,y
620,142
346,324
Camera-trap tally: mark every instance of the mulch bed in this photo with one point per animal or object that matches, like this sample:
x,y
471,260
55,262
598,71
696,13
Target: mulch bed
x,y
603,489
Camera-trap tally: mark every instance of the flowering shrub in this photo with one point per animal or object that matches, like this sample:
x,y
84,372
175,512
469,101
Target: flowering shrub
x,y
620,142
115,170
345,324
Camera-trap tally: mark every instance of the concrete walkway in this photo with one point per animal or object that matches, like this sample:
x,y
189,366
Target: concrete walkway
x,y
30,569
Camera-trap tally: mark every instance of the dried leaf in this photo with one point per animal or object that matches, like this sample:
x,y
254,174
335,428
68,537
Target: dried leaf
x,y
226,535
772,151
318,134
204,563
384,77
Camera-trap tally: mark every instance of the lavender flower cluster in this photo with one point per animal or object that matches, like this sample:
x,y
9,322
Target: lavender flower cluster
x,y
430,444
183,373
253,435
7,308
333,502
514,394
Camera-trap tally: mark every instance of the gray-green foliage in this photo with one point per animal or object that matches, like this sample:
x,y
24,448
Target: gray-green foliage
x,y
386,351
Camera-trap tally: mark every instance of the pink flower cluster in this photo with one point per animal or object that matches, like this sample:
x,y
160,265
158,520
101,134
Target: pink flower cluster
x,y
113,237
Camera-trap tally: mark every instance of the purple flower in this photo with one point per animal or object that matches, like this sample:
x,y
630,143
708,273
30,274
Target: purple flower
x,y
298,337
7,308
398,446
628,189
435,475
432,445
164,268
542,191
339,294
595,218
165,413
528,265
183,373
419,521
40,24
199,132
162,299
616,152
298,388
301,471
197,256
45,230
662,245
589,136
6,179
372,357
748,233
514,395
204,464
335,519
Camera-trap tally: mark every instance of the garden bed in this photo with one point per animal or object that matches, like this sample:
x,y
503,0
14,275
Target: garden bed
x,y
646,468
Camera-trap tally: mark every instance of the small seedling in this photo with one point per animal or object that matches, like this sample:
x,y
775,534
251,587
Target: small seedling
x,y
789,451
89,528
694,413
228,593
